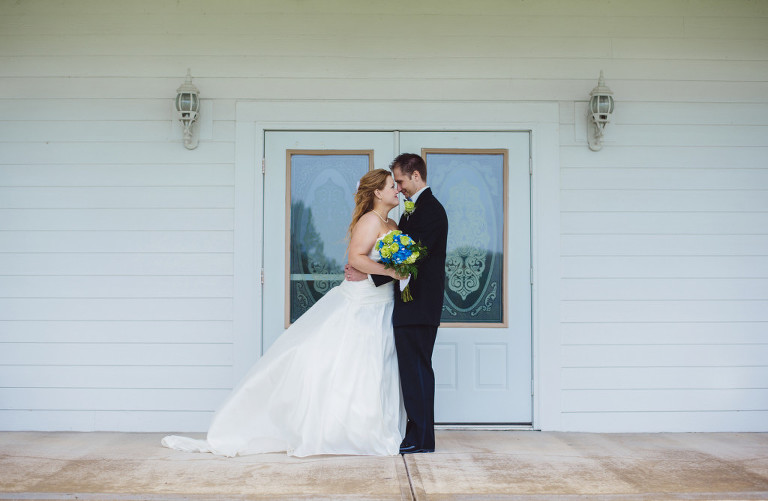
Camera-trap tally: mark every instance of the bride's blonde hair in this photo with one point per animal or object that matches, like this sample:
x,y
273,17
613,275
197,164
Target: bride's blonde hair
x,y
369,183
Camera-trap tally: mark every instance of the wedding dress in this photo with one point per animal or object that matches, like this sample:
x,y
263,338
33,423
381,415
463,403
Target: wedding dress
x,y
328,385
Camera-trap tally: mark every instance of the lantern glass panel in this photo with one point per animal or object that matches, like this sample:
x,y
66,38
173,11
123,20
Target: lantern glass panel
x,y
601,104
186,102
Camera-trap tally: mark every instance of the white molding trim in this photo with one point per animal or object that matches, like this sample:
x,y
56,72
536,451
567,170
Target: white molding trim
x,y
541,118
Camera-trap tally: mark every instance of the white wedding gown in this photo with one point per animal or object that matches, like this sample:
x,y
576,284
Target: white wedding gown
x,y
328,385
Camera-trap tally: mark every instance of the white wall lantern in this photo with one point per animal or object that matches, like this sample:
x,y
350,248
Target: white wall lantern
x,y
188,106
598,113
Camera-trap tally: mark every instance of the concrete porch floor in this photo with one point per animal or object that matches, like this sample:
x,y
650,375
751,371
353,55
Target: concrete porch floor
x,y
516,465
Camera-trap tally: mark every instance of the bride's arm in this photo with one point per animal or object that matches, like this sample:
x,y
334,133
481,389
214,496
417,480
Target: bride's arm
x,y
364,235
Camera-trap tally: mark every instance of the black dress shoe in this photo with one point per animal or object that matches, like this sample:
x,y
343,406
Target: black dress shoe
x,y
412,449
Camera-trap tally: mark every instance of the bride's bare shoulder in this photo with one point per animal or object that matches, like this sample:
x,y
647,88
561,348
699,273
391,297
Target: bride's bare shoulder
x,y
367,224
367,220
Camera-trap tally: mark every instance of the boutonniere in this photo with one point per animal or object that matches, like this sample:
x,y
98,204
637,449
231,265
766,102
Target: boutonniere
x,y
410,207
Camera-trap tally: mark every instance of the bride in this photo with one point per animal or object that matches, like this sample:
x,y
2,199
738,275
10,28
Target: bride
x,y
330,383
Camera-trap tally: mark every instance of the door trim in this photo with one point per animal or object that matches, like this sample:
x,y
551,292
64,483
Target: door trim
x,y
253,118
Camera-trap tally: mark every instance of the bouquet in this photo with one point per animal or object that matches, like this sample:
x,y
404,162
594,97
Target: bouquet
x,y
400,252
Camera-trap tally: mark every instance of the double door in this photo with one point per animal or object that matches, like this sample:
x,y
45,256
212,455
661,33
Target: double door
x,y
482,357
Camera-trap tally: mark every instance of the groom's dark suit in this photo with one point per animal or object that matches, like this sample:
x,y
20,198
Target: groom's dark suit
x,y
415,322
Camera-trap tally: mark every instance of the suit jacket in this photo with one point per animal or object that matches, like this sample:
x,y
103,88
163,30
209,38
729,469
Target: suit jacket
x,y
427,224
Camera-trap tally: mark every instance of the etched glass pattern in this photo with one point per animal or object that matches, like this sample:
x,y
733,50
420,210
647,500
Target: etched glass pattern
x,y
471,188
321,202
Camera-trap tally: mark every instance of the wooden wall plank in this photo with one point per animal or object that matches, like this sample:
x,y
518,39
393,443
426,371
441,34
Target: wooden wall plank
x,y
392,87
88,264
87,131
98,399
645,378
663,245
117,198
119,377
652,332
668,400
116,331
664,200
128,421
660,310
329,66
596,9
116,354
672,289
117,286
619,157
359,25
663,222
666,421
114,108
669,178
116,219
714,267
639,355
68,171
100,308
95,241
121,153
291,44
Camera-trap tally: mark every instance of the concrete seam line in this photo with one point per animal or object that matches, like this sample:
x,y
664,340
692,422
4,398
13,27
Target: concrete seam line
x,y
417,488
404,479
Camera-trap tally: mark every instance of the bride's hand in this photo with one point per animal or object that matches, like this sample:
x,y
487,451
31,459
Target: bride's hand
x,y
392,273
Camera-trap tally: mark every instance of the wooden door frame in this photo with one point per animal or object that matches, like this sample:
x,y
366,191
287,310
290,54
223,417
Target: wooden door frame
x,y
253,118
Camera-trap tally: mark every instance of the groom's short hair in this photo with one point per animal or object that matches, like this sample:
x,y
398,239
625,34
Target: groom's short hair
x,y
410,162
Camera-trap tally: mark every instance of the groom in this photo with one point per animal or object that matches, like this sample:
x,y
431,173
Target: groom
x,y
415,322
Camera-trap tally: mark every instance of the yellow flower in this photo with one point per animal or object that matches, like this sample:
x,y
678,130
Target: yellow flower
x,y
406,240
388,238
394,248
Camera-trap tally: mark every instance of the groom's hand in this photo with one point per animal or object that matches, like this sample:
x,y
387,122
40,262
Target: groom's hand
x,y
352,274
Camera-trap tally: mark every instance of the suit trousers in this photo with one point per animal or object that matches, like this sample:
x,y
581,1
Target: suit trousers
x,y
414,344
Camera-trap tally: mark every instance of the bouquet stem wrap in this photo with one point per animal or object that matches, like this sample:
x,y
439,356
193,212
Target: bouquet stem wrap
x,y
405,291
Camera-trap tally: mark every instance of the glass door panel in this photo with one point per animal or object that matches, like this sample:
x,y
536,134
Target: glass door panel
x,y
309,181
321,187
473,186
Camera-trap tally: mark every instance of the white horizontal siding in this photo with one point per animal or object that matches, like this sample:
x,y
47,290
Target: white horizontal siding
x,y
665,378
117,331
118,286
117,354
116,277
667,289
98,241
117,245
438,66
72,197
101,399
585,245
79,420
665,272
119,376
653,333
81,172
